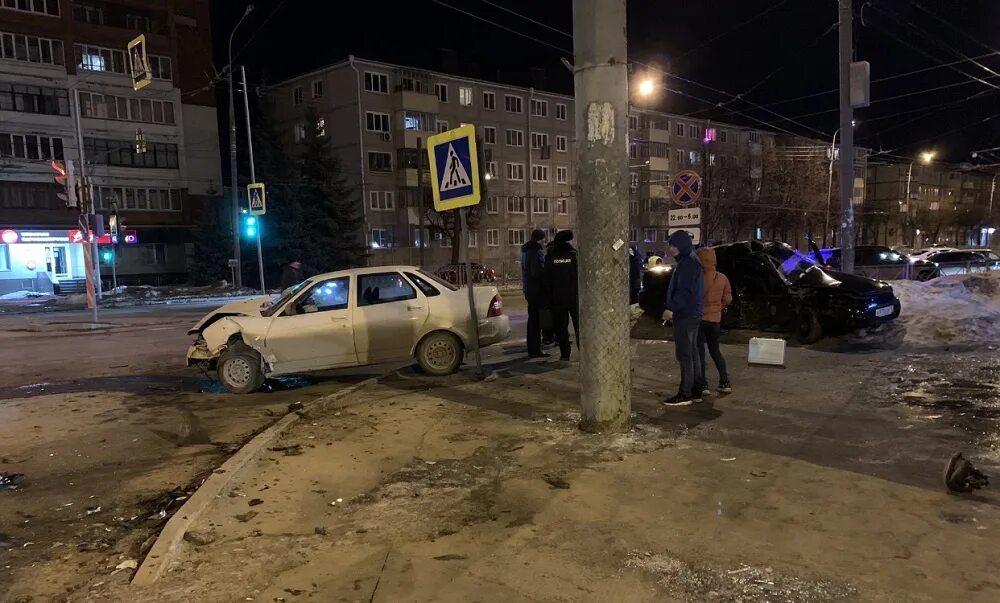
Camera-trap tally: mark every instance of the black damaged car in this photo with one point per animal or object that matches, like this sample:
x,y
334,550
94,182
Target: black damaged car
x,y
776,287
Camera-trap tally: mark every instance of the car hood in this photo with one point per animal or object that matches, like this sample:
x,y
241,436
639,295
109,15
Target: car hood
x,y
247,307
841,281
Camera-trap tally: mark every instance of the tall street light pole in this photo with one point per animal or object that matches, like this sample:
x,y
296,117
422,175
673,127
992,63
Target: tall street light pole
x,y
233,180
846,137
253,176
601,84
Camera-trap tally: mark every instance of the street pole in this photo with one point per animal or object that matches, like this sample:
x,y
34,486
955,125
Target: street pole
x,y
601,85
829,187
233,180
253,175
910,214
86,220
846,138
463,239
423,236
993,189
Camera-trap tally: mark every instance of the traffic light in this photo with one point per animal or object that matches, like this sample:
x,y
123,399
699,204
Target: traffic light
x,y
250,226
107,255
65,178
113,227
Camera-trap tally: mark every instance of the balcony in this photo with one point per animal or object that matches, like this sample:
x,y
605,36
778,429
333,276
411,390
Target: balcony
x,y
658,135
659,164
654,190
414,92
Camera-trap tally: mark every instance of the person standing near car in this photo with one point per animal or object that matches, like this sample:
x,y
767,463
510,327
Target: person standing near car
x,y
292,274
685,305
533,286
561,279
718,294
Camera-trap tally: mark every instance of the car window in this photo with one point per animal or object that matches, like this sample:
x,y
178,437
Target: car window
x,y
285,296
327,295
426,288
437,279
383,288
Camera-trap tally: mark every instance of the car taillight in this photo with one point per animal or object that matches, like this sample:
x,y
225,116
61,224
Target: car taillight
x,y
496,307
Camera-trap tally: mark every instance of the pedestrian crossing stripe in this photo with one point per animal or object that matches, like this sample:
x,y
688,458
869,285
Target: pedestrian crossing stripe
x,y
454,168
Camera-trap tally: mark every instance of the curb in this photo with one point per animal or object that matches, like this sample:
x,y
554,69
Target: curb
x,y
169,540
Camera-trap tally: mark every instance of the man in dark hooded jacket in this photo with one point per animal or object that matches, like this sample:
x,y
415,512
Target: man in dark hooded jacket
x,y
561,278
533,285
686,304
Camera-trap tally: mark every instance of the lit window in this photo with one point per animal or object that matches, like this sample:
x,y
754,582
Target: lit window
x,y
465,96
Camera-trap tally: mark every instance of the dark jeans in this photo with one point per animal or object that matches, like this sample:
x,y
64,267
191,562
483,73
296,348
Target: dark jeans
x,y
686,349
561,317
708,336
534,335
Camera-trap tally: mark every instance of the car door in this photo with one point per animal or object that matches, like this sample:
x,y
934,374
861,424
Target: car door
x,y
313,331
389,314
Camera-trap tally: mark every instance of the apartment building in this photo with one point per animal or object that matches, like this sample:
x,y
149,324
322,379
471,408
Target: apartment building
x,y
919,204
52,50
379,116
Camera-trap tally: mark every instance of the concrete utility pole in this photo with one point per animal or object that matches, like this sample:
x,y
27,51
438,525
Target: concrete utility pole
x,y
234,184
253,175
601,83
846,138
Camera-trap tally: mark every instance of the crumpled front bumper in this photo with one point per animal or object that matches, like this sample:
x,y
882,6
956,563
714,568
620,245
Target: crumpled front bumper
x,y
199,353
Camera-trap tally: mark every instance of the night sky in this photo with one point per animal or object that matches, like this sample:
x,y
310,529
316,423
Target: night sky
x,y
769,51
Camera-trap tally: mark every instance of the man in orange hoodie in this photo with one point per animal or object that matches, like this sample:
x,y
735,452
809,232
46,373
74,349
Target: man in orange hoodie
x,y
717,296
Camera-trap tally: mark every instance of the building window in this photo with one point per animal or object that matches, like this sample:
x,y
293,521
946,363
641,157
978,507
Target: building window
x,y
382,237
30,146
560,111
300,132
160,67
539,140
515,138
492,205
649,235
540,205
561,144
112,198
106,106
562,174
154,254
45,7
465,96
680,157
516,236
379,161
4,258
515,205
490,135
441,126
121,153
317,89
754,137
473,238
297,95
515,171
679,130
34,99
539,108
93,58
138,23
633,122
694,158
377,122
441,91
17,47
376,82
492,237
633,150
489,101
540,173
633,235
512,104
633,181
561,207
381,200
491,168
88,14
723,136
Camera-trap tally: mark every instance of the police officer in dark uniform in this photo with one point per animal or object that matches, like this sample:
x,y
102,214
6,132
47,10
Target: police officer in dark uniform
x,y
561,280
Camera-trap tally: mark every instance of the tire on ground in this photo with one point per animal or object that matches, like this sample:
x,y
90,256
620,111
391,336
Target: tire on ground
x,y
810,330
439,353
239,369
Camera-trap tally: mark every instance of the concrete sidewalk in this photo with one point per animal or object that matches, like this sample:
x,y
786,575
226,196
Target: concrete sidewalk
x,y
806,485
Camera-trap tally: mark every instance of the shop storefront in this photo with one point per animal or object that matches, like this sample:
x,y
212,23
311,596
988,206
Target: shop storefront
x,y
40,260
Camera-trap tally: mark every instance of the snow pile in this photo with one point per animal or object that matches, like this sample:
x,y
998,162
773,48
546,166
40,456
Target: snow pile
x,y
21,295
951,310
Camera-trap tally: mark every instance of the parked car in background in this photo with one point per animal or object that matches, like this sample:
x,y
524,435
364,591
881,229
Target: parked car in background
x,y
921,254
455,273
992,257
958,261
776,287
344,319
880,262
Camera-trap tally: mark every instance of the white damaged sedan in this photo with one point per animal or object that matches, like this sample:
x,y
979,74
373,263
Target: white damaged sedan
x,y
345,319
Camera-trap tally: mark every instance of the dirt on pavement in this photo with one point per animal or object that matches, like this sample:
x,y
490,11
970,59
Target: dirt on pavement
x,y
817,483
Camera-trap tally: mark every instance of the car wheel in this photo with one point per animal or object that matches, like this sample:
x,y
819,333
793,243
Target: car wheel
x,y
439,353
239,369
810,329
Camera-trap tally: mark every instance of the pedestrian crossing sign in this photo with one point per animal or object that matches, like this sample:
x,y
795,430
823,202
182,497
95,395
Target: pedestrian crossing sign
x,y
454,173
258,198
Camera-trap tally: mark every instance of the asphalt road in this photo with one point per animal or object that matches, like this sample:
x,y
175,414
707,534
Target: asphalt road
x,y
112,431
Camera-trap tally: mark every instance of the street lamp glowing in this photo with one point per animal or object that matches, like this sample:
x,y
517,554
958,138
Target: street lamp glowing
x,y
927,156
646,87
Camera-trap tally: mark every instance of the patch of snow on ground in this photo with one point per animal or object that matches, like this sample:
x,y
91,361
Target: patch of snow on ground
x,y
959,309
22,295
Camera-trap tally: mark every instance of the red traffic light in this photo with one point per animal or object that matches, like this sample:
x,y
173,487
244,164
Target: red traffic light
x,y
60,171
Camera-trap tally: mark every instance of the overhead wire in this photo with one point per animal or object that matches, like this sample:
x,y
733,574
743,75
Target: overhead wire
x,y
740,25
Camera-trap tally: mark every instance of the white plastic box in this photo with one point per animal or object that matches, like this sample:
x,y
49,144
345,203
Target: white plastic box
x,y
766,352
